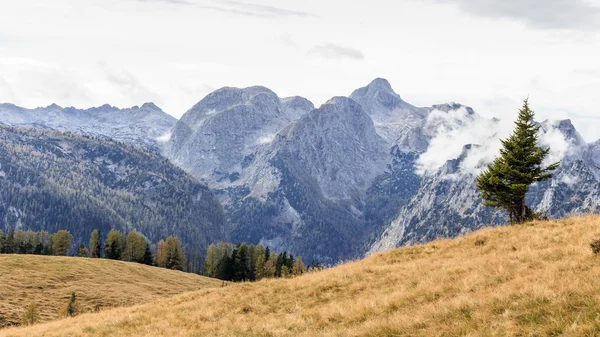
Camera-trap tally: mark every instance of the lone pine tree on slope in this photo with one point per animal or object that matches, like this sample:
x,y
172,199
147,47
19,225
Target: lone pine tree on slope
x,y
506,182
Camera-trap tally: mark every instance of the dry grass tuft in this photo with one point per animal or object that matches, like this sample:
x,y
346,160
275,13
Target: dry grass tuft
x,y
49,280
539,279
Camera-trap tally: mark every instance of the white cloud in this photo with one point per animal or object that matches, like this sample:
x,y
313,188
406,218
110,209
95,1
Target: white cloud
x,y
32,82
569,180
336,52
541,14
237,7
452,131
6,92
559,146
451,136
179,53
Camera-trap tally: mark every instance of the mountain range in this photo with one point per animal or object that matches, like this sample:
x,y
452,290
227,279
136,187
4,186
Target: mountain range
x,y
357,175
52,180
144,126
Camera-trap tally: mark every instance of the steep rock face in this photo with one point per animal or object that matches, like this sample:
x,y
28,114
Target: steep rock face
x,y
306,188
396,121
364,173
449,204
296,107
144,126
51,180
338,146
218,137
325,161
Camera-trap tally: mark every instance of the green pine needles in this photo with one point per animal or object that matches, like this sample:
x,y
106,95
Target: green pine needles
x,y
506,182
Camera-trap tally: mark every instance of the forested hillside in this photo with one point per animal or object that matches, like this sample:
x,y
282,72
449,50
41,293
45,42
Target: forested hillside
x,y
52,181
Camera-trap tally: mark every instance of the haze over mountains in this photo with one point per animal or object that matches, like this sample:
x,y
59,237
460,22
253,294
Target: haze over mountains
x,y
359,174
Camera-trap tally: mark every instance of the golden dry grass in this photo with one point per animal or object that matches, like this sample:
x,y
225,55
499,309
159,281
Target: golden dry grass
x,y
538,279
49,280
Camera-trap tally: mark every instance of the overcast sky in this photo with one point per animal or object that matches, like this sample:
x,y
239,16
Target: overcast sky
x,y
484,53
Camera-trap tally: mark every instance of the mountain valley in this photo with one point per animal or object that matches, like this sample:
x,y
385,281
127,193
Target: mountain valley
x,y
358,175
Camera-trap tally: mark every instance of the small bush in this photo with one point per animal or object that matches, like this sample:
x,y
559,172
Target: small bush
x,y
32,315
595,246
71,308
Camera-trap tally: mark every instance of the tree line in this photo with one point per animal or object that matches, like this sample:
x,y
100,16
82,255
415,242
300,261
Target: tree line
x,y
102,185
243,262
225,261
133,247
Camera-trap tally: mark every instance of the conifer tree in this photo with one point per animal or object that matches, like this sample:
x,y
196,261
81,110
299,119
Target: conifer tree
x,y
83,251
38,247
20,242
270,269
48,247
211,264
96,244
505,183
135,248
160,257
114,245
226,266
71,308
147,255
298,268
44,243
241,264
9,242
174,254
259,270
267,254
62,241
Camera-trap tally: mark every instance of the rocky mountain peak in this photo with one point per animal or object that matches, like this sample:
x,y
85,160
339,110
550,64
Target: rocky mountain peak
x,y
297,102
150,106
102,108
139,127
54,106
380,85
337,145
296,106
343,110
567,129
453,106
257,98
377,95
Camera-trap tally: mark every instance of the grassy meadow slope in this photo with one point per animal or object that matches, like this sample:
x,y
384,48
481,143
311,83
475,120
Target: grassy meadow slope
x,y
539,279
49,281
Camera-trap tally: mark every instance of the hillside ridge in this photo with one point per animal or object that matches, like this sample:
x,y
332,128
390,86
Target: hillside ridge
x,y
536,279
99,283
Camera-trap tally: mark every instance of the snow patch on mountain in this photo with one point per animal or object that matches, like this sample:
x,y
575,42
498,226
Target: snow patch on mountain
x,y
165,138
